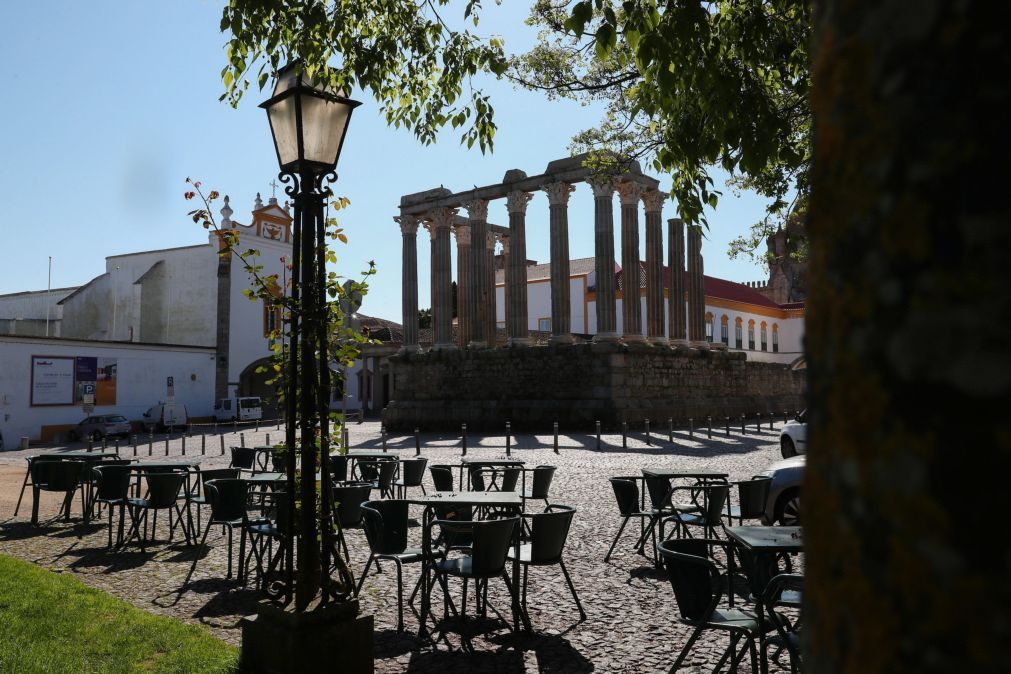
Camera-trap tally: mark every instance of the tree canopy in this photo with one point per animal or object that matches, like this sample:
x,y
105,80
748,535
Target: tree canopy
x,y
687,85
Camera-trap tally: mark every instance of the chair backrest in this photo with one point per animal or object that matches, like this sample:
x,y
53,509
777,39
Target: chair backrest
x,y
112,481
477,478
163,488
658,489
243,457
387,471
442,477
510,478
277,463
339,467
716,499
412,471
626,492
218,474
349,499
541,483
548,532
368,469
63,475
227,497
491,542
691,575
752,495
458,537
38,467
385,524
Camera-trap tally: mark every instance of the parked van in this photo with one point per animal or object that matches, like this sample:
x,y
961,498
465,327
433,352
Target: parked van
x,y
238,409
164,416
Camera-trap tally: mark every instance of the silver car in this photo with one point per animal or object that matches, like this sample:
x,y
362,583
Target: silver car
x,y
783,506
793,437
101,426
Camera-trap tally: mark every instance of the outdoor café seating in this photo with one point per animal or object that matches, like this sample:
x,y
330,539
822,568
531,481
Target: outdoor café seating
x,y
163,493
549,531
626,493
348,499
112,489
228,500
57,476
709,516
412,474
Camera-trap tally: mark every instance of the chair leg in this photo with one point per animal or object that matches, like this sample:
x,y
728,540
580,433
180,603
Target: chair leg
x,y
21,495
568,579
68,498
463,610
242,551
732,648
110,526
196,559
616,537
229,576
361,579
687,648
400,595
36,492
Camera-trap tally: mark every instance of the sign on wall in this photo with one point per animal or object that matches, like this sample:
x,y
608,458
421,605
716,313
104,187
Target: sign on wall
x,y
52,380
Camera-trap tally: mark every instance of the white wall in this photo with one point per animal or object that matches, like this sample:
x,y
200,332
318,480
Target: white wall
x,y
141,381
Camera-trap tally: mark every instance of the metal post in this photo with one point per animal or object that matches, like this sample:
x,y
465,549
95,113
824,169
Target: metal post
x,y
726,420
709,426
117,446
268,440
770,421
105,443
235,426
463,439
691,427
417,442
203,444
555,428
744,429
624,435
184,445
648,441
133,440
90,445
598,433
257,425
784,417
242,439
150,443
509,438
346,435
758,422
166,444
670,430
221,438
382,432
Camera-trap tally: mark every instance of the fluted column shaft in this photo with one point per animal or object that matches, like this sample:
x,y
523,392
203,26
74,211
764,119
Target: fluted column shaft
x,y
492,316
696,300
463,263
561,305
409,281
653,201
505,281
676,262
631,307
517,319
603,264
442,278
478,213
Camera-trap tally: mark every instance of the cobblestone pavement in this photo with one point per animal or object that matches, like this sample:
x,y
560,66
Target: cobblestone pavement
x,y
631,621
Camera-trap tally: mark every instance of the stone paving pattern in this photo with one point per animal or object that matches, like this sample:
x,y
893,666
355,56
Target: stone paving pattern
x,y
631,621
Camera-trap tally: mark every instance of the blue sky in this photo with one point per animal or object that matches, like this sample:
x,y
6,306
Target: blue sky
x,y
109,106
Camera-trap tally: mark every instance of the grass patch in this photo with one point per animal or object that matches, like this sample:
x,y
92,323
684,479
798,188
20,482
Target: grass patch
x,y
51,622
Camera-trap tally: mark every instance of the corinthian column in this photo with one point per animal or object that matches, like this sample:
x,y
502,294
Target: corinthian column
x,y
696,296
477,210
653,200
462,284
603,263
676,262
409,281
504,240
516,278
631,302
442,278
561,309
492,316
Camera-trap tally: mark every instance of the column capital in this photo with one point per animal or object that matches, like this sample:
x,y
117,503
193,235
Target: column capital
x,y
516,201
491,237
602,187
442,217
558,193
629,193
477,209
654,200
408,224
505,244
462,232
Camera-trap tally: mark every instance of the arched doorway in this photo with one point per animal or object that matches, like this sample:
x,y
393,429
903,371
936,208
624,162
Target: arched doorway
x,y
253,383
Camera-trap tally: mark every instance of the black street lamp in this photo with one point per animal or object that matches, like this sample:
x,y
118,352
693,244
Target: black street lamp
x,y
308,121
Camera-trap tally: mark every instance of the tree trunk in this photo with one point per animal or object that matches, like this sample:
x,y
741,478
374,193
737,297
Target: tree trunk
x,y
908,546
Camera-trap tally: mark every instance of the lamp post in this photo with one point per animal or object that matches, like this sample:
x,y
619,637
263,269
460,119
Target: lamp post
x,y
308,121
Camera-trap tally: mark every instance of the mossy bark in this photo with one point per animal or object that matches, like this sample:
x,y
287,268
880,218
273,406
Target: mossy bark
x,y
909,322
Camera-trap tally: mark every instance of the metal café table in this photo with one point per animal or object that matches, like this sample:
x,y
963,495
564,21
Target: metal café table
x,y
475,499
89,458
761,541
700,475
190,466
467,464
356,455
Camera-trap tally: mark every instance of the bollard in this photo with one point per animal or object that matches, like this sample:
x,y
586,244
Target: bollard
x,y
117,446
509,438
184,445
278,424
598,434
242,439
150,443
133,439
235,426
624,435
744,430
382,432
346,436
221,438
758,422
215,426
105,443
268,440
90,446
709,427
691,427
203,444
417,442
555,428
770,421
670,430
648,441
463,439
166,444
726,420
257,425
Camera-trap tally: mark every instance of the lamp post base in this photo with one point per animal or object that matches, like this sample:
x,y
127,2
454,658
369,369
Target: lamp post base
x,y
278,640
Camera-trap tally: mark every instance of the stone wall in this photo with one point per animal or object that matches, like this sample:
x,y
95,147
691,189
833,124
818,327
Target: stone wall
x,y
580,383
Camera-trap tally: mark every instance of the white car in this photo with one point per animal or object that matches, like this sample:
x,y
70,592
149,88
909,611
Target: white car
x,y
793,437
783,506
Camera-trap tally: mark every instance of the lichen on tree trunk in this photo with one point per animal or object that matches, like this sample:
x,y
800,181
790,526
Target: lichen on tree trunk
x,y
909,324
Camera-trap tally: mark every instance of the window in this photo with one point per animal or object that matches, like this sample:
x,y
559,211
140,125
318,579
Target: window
x,y
738,333
751,335
544,324
765,337
775,338
724,330
271,319
709,327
